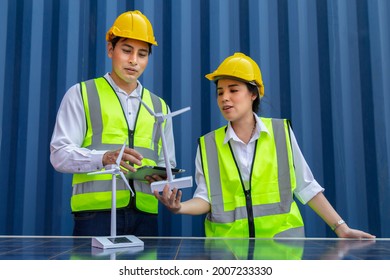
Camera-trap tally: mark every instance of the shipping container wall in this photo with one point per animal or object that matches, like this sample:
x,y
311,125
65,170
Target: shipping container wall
x,y
325,66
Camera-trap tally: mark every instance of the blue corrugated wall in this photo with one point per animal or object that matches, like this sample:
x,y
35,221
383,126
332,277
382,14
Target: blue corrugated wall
x,y
325,65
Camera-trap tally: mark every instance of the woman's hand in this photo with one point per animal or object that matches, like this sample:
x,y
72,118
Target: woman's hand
x,y
343,231
171,199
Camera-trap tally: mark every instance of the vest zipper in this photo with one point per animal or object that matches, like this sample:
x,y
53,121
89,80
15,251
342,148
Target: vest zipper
x,y
248,197
131,182
249,210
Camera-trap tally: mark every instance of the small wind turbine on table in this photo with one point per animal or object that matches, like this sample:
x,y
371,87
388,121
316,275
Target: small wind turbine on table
x,y
177,183
114,241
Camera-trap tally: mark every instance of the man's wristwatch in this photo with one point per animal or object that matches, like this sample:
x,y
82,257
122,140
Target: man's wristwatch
x,y
336,225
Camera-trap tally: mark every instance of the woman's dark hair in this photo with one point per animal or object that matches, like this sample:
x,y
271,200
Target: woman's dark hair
x,y
115,40
254,90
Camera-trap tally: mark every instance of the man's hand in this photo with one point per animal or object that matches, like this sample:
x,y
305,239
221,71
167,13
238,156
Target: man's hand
x,y
130,156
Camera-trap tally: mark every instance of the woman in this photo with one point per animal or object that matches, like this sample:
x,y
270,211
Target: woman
x,y
248,171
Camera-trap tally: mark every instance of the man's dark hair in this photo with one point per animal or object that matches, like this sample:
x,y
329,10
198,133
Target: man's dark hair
x,y
115,40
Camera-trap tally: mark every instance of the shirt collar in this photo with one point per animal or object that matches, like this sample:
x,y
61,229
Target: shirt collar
x,y
134,93
260,127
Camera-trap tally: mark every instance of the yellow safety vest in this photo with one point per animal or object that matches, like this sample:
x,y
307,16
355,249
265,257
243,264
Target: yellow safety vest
x,y
107,129
266,208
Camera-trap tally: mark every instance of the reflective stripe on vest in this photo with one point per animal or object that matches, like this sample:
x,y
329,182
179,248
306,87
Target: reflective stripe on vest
x,y
107,129
270,201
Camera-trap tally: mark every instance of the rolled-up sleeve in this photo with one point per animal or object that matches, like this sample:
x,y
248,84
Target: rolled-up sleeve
x,y
307,187
201,189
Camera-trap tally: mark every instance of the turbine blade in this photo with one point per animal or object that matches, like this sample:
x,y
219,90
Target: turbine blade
x,y
109,171
177,112
126,182
147,107
118,160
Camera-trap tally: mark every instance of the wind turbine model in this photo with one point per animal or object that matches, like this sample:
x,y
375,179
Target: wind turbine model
x,y
114,241
184,182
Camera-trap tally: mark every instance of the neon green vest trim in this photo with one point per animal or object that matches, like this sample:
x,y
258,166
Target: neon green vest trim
x,y
272,184
107,129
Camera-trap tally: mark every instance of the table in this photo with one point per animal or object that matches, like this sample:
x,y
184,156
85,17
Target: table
x,y
188,248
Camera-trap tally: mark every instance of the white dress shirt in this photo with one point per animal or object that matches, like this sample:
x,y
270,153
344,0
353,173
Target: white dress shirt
x,y
307,187
66,153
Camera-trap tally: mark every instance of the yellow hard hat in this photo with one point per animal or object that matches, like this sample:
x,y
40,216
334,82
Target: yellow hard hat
x,y
239,66
134,25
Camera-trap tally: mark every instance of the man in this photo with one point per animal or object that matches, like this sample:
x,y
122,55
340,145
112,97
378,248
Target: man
x,y
95,119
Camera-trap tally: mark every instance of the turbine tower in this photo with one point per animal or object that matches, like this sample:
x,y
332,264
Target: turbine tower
x,y
113,241
178,183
